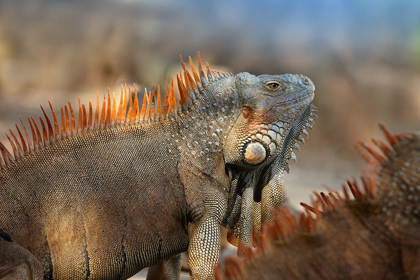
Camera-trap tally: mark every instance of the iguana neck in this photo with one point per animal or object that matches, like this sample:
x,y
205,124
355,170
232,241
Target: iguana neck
x,y
203,129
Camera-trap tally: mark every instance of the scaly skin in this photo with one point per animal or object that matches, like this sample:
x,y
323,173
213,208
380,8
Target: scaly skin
x,y
135,189
374,236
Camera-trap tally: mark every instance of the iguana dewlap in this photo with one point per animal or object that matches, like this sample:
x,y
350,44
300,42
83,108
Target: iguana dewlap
x,y
126,187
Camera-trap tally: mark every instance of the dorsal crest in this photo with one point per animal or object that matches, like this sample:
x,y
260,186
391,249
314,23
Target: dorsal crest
x,y
108,114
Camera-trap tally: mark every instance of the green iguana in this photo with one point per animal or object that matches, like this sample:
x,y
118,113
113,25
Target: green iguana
x,y
374,236
122,189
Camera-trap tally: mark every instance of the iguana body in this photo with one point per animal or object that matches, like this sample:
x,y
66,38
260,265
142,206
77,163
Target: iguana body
x,y
123,190
375,236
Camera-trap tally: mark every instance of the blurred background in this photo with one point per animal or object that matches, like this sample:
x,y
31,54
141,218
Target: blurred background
x,y
363,56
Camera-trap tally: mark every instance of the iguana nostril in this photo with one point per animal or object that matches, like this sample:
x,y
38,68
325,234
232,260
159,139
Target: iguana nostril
x,y
255,153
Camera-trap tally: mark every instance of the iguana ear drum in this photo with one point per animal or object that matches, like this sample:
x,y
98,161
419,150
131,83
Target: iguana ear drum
x,y
255,153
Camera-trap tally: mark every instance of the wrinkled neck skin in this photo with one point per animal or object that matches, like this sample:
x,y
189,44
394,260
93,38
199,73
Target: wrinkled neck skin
x,y
264,191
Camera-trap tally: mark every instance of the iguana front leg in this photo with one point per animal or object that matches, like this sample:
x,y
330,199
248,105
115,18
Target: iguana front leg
x,y
272,194
18,263
166,270
206,192
246,221
204,248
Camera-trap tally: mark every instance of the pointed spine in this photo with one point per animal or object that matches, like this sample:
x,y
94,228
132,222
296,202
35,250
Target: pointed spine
x,y
195,74
136,111
143,106
191,85
182,91
56,125
153,105
103,114
18,145
165,108
22,140
130,108
85,121
7,157
14,149
28,139
119,111
389,136
34,134
149,101
124,108
44,133
90,122
114,110
73,120
63,124
50,135
158,101
172,100
80,118
68,129
203,76
108,111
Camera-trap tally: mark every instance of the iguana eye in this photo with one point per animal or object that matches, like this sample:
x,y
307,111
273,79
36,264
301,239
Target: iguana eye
x,y
272,85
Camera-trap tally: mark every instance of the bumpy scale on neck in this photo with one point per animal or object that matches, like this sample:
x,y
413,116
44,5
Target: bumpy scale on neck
x,y
202,131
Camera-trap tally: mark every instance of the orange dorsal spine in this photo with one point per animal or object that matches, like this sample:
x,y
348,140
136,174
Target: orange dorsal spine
x,y
44,132
90,121
73,120
113,110
152,110
153,105
124,108
158,110
143,106
108,111
119,112
103,113
56,125
149,101
80,123
135,112
130,107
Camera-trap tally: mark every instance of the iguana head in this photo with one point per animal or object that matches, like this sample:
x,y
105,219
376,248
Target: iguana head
x,y
274,112
272,107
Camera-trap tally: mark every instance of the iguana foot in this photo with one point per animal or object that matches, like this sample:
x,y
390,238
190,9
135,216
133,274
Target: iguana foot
x,y
166,269
18,263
